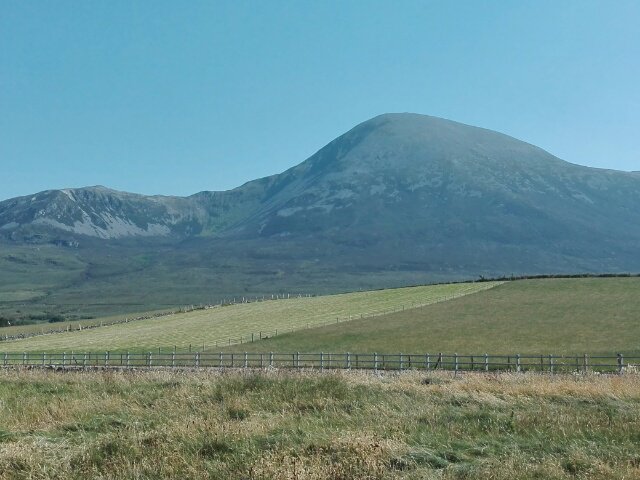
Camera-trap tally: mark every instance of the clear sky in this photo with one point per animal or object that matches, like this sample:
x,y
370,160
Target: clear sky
x,y
178,97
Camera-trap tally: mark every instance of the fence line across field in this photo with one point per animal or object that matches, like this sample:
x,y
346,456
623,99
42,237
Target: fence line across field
x,y
70,324
250,336
321,360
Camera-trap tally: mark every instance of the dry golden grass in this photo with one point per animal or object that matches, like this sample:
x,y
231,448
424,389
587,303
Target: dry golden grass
x,y
311,425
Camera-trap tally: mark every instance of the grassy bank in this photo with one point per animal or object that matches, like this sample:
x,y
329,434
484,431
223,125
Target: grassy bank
x,y
275,425
559,316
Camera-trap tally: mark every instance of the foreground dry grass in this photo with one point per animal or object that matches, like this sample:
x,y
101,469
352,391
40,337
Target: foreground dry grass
x,y
311,425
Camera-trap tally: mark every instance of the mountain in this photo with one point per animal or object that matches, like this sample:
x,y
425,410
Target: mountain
x,y
433,180
400,198
100,212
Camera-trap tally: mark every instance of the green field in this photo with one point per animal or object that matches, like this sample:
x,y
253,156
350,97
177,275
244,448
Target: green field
x,y
43,328
559,316
215,326
312,426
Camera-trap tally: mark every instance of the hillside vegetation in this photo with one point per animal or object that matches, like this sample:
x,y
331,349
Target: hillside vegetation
x,y
206,328
274,426
559,316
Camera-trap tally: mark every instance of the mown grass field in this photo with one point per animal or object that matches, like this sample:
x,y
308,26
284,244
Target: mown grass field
x,y
208,327
558,316
349,425
42,328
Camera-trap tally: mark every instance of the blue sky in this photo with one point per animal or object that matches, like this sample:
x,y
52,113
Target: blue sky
x,y
178,97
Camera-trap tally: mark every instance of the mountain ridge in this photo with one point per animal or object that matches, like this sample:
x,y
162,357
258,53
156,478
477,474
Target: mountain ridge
x,y
208,211
398,199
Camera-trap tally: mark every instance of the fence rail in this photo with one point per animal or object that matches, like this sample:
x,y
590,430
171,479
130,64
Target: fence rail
x,y
321,360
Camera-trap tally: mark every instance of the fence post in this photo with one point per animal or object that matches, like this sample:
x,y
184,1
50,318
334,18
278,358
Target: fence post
x,y
297,359
473,365
375,362
128,359
271,359
106,359
427,359
220,360
439,362
400,360
173,358
348,361
585,363
620,364
551,363
246,360
321,361
64,358
150,359
541,364
518,362
84,360
44,358
455,358
486,362
261,360
4,360
197,360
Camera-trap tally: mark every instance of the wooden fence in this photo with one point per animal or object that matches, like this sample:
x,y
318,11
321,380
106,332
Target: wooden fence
x,y
299,360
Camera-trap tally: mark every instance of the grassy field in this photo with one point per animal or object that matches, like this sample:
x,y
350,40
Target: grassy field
x,y
559,316
206,327
42,328
276,425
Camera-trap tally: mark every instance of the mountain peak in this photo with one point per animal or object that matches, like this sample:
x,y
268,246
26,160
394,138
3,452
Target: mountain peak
x,y
419,128
422,144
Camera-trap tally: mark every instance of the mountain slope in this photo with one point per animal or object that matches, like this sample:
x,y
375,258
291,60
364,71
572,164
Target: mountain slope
x,y
400,198
395,157
101,212
425,184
